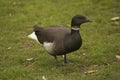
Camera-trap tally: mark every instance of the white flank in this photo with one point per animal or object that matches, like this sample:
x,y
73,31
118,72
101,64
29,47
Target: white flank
x,y
33,36
48,46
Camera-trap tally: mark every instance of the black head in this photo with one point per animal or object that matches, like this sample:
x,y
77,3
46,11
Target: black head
x,y
78,20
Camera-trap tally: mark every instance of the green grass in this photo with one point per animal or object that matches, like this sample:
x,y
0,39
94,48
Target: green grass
x,y
101,40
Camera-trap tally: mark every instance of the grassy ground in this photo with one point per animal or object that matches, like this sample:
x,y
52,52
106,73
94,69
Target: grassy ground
x,y
94,61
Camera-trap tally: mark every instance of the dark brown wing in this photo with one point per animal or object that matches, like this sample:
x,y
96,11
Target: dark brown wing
x,y
51,33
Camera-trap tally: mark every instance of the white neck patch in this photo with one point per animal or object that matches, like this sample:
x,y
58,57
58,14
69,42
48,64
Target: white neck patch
x,y
73,28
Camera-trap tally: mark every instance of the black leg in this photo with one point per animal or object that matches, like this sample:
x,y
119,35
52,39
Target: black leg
x,y
55,58
65,61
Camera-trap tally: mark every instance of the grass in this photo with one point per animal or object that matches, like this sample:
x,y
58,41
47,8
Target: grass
x,y
100,40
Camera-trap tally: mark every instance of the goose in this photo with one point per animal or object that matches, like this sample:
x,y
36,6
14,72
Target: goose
x,y
60,40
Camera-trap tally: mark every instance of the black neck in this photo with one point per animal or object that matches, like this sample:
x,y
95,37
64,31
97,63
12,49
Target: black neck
x,y
75,29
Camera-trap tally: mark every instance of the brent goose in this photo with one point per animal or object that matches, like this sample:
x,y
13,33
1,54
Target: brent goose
x,y
59,40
